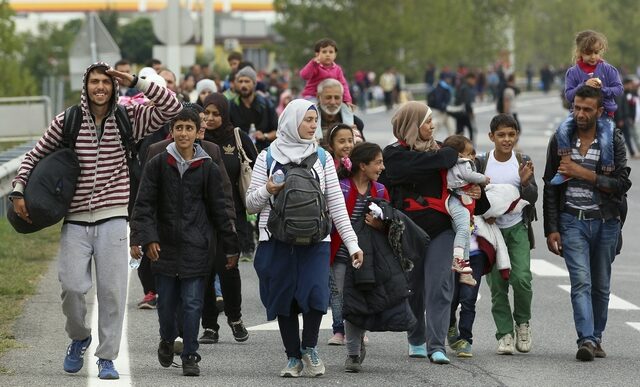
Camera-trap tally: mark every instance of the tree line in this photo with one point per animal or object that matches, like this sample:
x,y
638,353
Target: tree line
x,y
371,35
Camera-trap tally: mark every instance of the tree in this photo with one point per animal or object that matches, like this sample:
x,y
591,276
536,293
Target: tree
x,y
15,80
374,34
137,40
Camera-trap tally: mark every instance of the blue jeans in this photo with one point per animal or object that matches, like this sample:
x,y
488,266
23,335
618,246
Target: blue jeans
x,y
461,224
466,296
588,248
604,134
172,291
336,287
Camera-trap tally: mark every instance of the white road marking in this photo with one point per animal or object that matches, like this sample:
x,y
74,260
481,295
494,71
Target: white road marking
x,y
615,302
121,364
634,325
327,322
545,269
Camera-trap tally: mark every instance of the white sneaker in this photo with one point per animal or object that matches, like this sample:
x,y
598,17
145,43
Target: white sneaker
x,y
313,365
505,345
523,337
293,368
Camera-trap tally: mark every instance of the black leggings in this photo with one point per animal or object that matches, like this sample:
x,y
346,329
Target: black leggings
x,y
231,287
289,330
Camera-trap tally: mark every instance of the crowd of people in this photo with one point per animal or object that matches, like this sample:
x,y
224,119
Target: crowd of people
x,y
393,239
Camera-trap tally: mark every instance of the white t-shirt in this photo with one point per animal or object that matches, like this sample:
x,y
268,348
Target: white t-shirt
x,y
504,173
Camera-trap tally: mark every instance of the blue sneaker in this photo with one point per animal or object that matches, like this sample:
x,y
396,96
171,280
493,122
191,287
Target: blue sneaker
x,y
106,369
439,357
418,351
74,360
559,179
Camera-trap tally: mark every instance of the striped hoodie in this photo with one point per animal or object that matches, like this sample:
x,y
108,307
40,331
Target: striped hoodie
x,y
102,190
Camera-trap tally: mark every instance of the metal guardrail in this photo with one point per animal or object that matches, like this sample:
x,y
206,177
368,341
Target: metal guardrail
x,y
9,163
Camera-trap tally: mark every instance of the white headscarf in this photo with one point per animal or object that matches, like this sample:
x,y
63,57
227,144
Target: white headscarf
x,y
288,147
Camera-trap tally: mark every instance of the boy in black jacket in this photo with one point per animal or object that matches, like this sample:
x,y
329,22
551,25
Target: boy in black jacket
x,y
179,202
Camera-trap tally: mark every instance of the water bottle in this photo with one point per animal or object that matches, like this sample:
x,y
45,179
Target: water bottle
x,y
134,263
278,177
252,132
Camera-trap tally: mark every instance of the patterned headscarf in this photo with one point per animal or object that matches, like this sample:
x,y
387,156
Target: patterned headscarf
x,y
406,123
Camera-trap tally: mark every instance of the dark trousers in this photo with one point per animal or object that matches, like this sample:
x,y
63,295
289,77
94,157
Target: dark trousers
x,y
180,293
231,287
466,296
246,232
290,330
463,121
146,276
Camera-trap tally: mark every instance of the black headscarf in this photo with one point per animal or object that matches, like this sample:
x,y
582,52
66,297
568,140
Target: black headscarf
x,y
226,128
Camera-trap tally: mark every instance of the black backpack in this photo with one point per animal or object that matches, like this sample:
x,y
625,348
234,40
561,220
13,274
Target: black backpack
x,y
299,214
73,122
52,182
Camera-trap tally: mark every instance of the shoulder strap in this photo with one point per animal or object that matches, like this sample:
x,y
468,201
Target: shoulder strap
x,y
322,156
126,131
71,126
241,153
269,160
377,189
483,160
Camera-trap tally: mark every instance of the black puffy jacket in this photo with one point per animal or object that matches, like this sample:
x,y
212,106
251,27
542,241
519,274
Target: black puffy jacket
x,y
180,214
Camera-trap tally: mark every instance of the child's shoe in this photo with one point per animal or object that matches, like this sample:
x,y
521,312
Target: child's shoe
x,y
452,335
461,266
462,348
468,279
559,179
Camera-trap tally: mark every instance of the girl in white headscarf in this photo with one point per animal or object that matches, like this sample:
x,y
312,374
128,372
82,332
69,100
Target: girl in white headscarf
x,y
293,278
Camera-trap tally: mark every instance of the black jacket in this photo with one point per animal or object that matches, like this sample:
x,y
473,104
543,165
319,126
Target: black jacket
x,y
529,193
375,296
180,213
611,204
409,174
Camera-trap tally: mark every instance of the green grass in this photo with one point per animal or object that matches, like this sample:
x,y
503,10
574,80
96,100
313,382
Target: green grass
x,y
4,145
23,261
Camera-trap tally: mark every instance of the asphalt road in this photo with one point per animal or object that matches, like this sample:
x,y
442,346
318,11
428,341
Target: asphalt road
x,y
40,331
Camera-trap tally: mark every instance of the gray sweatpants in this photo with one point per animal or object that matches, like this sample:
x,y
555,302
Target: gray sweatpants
x,y
433,290
106,243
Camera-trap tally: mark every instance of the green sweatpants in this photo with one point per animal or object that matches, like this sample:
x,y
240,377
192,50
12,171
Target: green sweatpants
x,y
517,242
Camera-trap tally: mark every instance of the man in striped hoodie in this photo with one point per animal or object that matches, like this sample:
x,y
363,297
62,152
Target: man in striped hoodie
x,y
96,223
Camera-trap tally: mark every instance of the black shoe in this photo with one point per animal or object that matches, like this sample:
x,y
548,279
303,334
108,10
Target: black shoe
x,y
586,352
239,331
599,352
353,364
209,336
190,366
165,353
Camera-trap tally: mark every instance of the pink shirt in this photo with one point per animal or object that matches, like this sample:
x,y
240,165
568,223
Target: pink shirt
x,y
314,73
